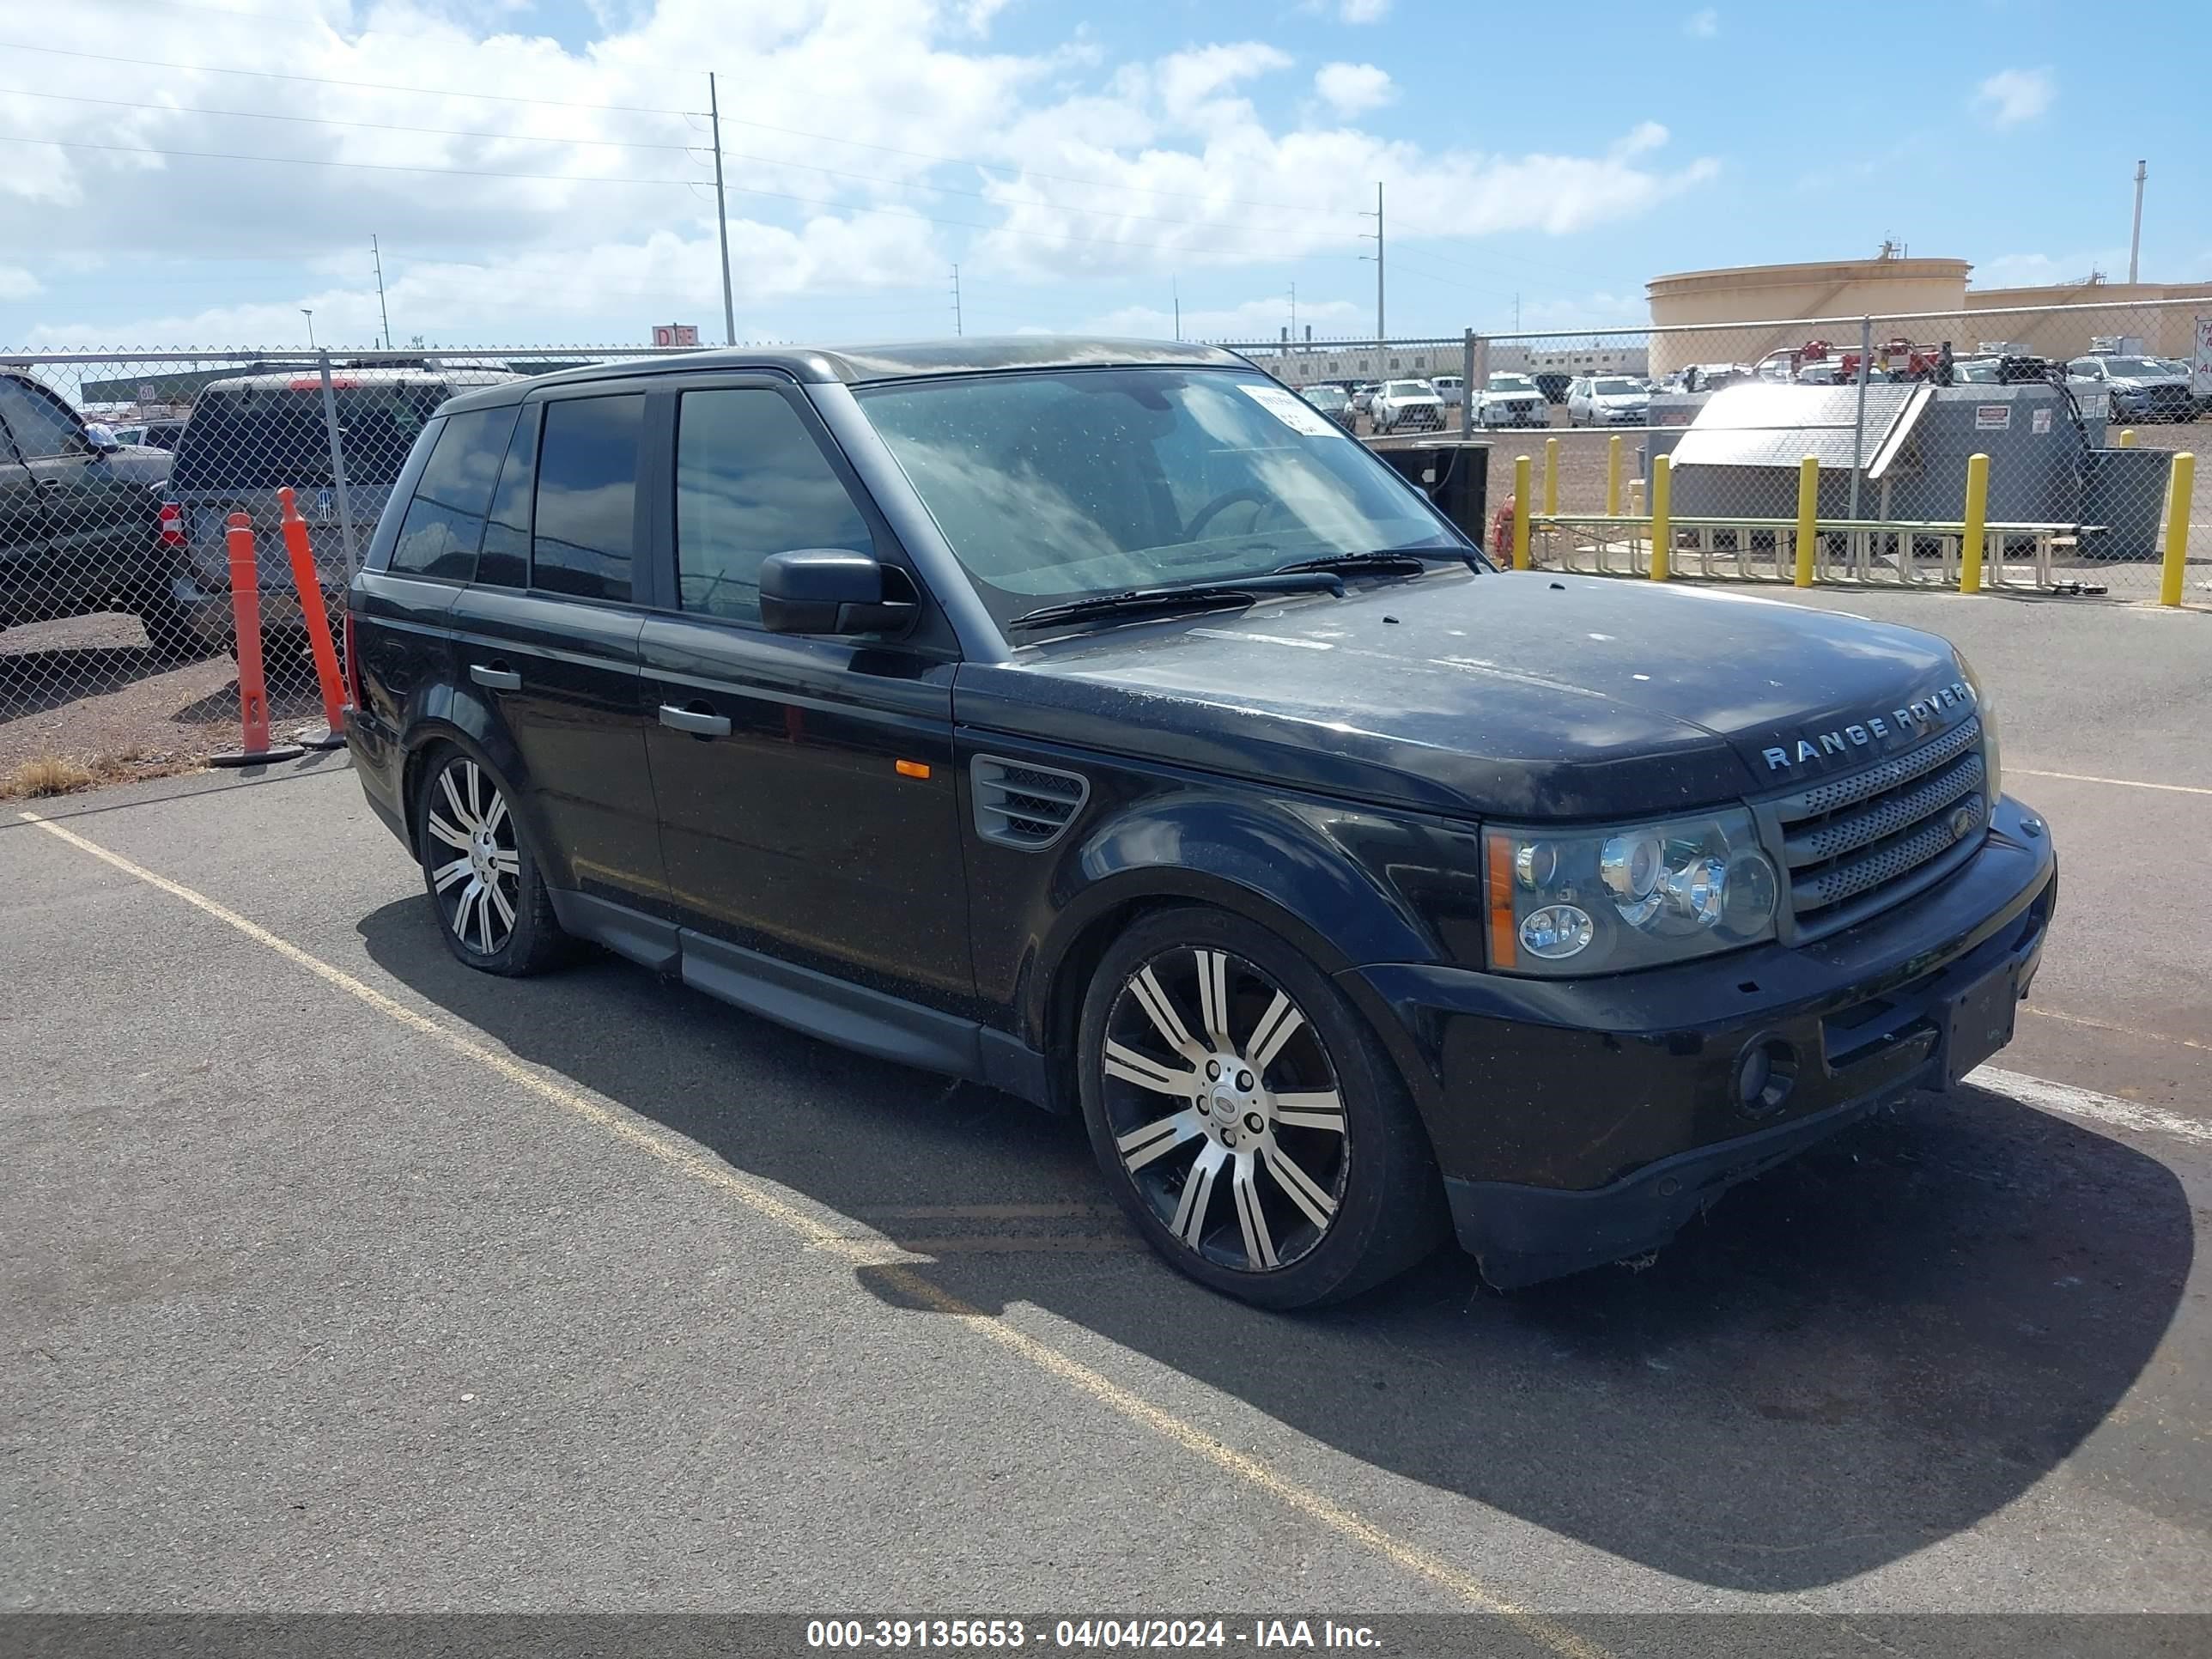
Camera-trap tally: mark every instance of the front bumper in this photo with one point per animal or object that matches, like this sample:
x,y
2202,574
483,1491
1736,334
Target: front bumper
x,y
1580,1121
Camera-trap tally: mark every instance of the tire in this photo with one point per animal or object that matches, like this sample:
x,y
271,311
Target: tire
x,y
1307,1177
480,871
170,634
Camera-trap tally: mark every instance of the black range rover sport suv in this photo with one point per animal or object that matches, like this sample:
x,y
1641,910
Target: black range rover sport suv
x,y
1094,720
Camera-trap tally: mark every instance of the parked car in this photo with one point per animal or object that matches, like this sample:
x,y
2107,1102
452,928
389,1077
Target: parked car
x,y
936,701
80,526
1509,400
1553,385
249,436
2140,388
1450,388
1609,400
1402,405
1332,400
151,435
1974,371
1363,395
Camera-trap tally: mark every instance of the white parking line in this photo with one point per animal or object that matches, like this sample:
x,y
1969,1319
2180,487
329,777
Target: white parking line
x,y
2088,1105
2124,783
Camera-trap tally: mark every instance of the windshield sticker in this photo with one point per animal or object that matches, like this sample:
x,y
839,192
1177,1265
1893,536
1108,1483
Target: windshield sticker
x,y
1292,410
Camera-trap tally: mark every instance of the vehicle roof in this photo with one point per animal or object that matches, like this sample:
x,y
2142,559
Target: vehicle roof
x,y
868,365
308,377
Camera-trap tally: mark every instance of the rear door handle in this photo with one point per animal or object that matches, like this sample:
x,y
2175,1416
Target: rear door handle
x,y
498,676
692,720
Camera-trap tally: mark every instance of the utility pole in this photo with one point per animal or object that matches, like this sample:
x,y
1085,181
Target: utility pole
x,y
1380,331
377,254
721,216
1294,310
1175,288
308,312
2134,240
957,326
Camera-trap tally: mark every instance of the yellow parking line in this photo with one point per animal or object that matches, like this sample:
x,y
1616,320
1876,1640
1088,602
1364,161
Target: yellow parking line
x,y
1253,1471
2124,783
2108,1025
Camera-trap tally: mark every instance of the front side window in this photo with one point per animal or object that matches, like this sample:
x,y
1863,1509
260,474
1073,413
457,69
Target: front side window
x,y
750,481
446,520
581,540
1062,484
41,428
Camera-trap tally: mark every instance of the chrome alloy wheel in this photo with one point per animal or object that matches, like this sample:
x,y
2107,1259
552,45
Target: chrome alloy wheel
x,y
480,884
1233,1130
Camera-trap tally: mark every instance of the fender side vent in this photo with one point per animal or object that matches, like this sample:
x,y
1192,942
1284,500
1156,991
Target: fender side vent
x,y
1026,807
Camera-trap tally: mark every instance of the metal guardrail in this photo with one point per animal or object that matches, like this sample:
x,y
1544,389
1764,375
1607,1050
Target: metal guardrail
x,y
1844,551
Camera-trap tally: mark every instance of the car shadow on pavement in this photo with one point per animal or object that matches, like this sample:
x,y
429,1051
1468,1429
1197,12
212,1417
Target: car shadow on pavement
x,y
1868,1350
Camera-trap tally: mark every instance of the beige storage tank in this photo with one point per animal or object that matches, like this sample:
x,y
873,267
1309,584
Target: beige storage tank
x,y
1703,302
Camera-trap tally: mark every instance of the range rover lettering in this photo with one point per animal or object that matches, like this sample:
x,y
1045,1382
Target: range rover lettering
x,y
1097,720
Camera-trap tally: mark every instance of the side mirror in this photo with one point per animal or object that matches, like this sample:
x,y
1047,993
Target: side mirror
x,y
829,590
101,436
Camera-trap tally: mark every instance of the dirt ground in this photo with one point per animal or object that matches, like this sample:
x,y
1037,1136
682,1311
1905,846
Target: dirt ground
x,y
89,690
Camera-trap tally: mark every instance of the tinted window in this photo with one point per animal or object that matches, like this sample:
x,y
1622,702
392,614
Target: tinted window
x,y
265,437
586,496
446,520
40,428
505,562
750,481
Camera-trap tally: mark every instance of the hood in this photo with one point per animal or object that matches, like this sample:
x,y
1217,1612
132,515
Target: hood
x,y
1526,695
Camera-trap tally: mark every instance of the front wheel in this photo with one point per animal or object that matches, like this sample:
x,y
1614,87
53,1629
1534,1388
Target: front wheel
x,y
1247,1116
478,866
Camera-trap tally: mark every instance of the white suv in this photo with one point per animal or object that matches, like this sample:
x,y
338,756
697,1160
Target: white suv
x,y
1407,403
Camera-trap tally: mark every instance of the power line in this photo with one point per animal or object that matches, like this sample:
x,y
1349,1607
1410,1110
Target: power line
x,y
620,179
1010,168
327,81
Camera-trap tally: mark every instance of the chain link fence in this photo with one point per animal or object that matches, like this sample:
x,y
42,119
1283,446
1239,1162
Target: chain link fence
x,y
2079,409
119,472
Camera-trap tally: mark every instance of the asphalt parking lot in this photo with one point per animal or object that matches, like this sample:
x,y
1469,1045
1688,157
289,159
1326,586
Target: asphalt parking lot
x,y
342,1278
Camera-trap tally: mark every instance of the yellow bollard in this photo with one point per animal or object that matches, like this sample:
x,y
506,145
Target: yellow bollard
x,y
1521,513
1808,516
1977,515
2181,486
1662,489
1612,476
1550,477
2127,437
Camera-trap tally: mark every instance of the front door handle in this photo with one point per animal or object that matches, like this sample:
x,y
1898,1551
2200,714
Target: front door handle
x,y
498,676
696,722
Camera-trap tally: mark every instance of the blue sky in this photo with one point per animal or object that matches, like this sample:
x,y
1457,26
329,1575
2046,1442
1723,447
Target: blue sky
x,y
1083,165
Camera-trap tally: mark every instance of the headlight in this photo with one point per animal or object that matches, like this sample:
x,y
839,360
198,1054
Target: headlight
x,y
1600,902
1985,707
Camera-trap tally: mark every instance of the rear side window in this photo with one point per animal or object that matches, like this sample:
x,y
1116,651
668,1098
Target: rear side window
x,y
446,520
264,437
40,428
581,541
750,481
505,560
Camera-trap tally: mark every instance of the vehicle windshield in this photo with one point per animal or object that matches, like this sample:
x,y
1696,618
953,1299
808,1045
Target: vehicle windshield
x,y
1511,383
1617,389
1407,389
1062,484
1328,396
1975,373
2133,368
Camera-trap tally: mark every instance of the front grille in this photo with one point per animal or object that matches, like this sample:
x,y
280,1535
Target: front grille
x,y
1861,844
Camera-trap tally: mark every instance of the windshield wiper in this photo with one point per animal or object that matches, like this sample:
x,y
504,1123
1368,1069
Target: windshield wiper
x,y
1408,561
1188,596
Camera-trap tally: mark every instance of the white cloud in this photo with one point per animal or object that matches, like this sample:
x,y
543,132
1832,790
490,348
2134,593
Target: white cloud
x,y
584,218
1353,88
1703,24
1350,11
2042,270
2013,95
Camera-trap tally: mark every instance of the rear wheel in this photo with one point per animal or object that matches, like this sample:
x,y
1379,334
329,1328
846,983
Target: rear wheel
x,y
1248,1118
478,867
169,632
